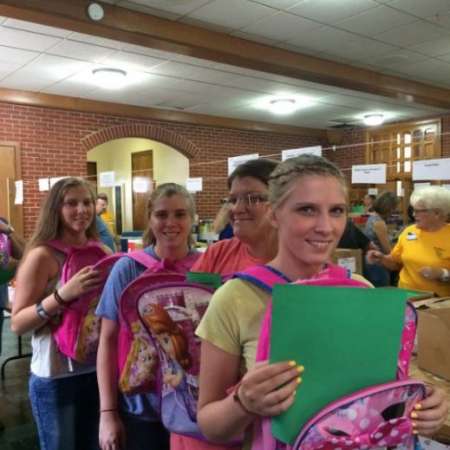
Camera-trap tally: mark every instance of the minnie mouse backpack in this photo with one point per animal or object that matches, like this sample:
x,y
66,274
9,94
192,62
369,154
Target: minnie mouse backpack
x,y
159,354
377,416
78,331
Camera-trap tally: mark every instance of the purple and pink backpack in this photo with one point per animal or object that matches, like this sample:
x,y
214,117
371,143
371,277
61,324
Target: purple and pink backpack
x,y
377,416
78,331
158,352
5,250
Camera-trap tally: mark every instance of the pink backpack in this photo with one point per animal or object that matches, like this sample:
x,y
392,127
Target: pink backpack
x,y
159,354
78,331
5,250
372,417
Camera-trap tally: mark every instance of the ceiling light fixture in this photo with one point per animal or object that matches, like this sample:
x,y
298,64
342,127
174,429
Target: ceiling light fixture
x,y
372,120
109,78
283,106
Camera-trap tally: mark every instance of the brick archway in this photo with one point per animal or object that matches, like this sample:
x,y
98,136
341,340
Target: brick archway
x,y
177,141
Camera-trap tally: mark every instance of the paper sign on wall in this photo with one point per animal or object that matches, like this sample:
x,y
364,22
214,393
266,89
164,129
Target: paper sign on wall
x,y
431,169
107,179
369,173
44,184
372,191
235,161
293,152
194,184
141,185
18,200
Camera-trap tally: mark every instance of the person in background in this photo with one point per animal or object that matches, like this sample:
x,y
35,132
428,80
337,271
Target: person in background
x,y
221,224
422,252
103,203
254,242
368,203
131,422
16,245
105,234
309,209
63,393
376,230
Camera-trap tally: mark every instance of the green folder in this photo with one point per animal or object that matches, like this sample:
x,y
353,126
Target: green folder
x,y
213,280
347,339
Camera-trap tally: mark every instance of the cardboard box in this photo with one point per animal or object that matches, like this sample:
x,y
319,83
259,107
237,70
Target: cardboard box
x,y
434,338
349,258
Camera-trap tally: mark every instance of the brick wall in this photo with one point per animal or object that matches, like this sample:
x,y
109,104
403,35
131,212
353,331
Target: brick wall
x,y
54,143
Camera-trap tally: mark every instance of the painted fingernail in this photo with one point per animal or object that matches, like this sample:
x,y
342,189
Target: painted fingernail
x,y
300,369
414,415
292,363
299,380
418,406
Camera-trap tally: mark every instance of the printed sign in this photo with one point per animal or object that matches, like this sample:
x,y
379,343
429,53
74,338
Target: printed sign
x,y
44,184
194,184
369,173
18,200
431,169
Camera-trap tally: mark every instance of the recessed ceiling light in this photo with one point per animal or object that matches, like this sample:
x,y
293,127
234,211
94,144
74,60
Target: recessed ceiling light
x,y
109,78
372,120
283,105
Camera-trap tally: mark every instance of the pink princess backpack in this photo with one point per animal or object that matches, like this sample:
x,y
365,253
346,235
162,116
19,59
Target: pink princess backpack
x,y
5,250
159,354
377,416
78,331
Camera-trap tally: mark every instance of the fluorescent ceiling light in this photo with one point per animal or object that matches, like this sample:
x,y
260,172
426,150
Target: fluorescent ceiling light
x,y
283,106
109,78
372,120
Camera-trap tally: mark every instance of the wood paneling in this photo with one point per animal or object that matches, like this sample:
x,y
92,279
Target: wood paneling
x,y
154,32
141,174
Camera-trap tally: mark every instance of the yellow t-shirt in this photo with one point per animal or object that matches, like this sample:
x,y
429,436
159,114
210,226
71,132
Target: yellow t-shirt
x,y
108,218
418,248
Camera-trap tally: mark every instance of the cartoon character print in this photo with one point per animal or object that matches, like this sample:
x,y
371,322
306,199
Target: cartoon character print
x,y
139,369
175,347
89,334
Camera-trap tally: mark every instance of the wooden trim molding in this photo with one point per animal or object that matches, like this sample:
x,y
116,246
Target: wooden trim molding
x,y
154,32
119,109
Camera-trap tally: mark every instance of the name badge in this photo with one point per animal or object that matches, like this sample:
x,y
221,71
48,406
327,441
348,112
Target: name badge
x,y
411,237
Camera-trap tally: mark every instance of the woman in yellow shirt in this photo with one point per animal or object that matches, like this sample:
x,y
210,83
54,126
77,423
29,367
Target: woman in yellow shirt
x,y
422,253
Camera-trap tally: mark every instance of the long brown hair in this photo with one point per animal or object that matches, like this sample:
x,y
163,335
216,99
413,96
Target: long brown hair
x,y
49,225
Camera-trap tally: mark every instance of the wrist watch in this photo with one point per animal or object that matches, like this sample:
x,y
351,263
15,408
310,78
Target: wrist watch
x,y
445,275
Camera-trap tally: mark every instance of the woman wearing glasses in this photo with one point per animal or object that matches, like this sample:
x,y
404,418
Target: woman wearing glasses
x,y
254,242
422,253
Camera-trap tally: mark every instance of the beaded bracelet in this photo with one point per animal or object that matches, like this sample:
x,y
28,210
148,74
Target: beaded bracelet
x,y
59,299
108,410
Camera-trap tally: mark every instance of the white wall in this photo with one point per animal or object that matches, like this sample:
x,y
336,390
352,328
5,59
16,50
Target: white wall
x,y
168,165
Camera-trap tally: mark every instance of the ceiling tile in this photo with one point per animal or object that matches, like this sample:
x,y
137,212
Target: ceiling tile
x,y
36,28
375,21
421,8
441,19
96,40
363,49
254,37
280,26
131,61
397,58
82,51
26,40
277,4
233,14
331,11
436,47
147,10
411,34
427,69
16,56
22,80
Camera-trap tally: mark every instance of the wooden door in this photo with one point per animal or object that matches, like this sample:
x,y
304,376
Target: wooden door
x,y
142,184
92,174
10,171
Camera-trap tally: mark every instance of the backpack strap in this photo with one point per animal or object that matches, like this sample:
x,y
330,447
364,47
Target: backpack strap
x,y
142,257
263,276
68,249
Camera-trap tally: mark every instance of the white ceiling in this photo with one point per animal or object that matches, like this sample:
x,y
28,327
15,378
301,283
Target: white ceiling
x,y
406,38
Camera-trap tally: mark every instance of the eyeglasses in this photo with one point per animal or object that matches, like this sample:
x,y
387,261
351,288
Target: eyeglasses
x,y
246,199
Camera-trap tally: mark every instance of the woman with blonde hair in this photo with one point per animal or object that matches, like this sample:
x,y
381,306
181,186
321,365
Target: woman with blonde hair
x,y
308,200
63,393
422,253
131,421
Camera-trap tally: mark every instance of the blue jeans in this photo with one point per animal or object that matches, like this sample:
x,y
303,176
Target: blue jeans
x,y
66,411
377,275
144,435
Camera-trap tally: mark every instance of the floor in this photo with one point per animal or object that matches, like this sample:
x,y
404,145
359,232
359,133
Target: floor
x,y
15,414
